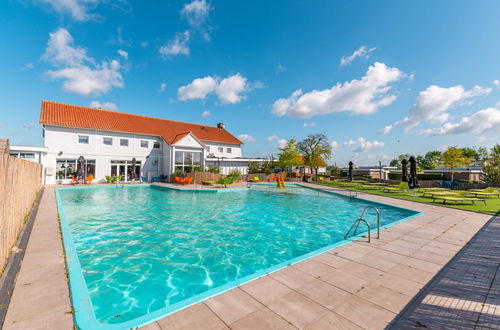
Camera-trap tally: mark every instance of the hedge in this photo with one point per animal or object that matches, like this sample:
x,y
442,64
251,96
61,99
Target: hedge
x,y
420,176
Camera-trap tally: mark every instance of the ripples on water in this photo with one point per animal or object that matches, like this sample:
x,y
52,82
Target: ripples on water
x,y
143,248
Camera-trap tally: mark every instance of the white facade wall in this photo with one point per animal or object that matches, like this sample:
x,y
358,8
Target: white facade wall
x,y
62,143
216,147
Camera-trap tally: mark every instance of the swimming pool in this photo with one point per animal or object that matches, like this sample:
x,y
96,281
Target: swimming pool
x,y
137,253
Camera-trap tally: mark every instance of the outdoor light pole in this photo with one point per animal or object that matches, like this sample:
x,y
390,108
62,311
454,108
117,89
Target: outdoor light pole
x,y
380,170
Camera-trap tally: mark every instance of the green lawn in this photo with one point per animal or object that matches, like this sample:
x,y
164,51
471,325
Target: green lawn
x,y
492,204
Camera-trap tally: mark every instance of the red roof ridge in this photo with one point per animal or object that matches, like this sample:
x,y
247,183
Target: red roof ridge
x,y
69,115
125,113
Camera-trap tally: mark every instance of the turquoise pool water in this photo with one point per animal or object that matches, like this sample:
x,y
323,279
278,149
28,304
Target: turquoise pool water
x,y
142,249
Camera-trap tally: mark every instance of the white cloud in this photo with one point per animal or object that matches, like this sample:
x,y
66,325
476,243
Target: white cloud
x,y
118,39
123,53
496,82
335,145
364,145
309,124
228,90
144,44
386,130
481,122
103,105
198,89
77,9
279,68
364,96
431,104
177,46
81,74
246,138
163,85
272,138
281,143
362,51
196,12
206,113
481,139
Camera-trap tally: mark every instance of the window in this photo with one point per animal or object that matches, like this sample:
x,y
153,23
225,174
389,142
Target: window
x,y
123,142
66,168
107,141
156,145
23,155
220,149
186,160
144,144
83,139
228,150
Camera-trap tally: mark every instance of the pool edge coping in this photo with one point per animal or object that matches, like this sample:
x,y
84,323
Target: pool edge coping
x,y
84,317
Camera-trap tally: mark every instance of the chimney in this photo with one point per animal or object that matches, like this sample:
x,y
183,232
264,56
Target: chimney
x,y
4,146
220,125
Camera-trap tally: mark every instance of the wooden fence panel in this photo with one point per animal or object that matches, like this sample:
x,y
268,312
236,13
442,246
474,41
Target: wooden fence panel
x,y
20,181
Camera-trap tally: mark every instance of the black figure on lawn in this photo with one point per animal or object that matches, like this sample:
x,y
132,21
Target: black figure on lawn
x,y
350,171
413,183
404,170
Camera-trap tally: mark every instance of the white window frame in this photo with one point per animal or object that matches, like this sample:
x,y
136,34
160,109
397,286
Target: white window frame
x,y
128,143
82,136
220,149
229,150
147,143
107,137
155,143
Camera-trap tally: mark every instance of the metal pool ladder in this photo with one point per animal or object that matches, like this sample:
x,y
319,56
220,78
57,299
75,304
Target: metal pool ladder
x,y
356,223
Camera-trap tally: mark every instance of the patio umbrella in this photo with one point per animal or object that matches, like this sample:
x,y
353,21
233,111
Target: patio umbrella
x,y
132,175
404,170
350,171
80,167
413,183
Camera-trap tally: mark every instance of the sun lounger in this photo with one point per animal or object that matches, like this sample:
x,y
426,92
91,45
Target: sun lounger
x,y
403,186
458,199
369,187
439,193
484,194
75,180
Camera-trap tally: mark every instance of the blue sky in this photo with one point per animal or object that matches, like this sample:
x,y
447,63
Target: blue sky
x,y
379,78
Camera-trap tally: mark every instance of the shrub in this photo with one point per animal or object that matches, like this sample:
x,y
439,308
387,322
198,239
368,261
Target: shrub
x,y
253,167
395,176
430,176
267,167
234,173
420,176
178,173
214,169
198,169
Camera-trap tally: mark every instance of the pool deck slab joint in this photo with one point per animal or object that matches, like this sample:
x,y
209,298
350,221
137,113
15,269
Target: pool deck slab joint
x,y
376,281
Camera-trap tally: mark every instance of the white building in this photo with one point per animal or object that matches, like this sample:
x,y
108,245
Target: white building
x,y
109,140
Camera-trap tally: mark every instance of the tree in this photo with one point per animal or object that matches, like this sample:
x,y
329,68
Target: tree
x,y
289,155
453,158
431,160
316,150
491,169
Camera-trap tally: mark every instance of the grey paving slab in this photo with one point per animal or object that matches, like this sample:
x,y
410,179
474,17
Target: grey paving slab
x,y
357,286
41,296
465,294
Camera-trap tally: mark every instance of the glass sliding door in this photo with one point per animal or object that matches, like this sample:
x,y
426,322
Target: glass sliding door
x,y
186,161
125,169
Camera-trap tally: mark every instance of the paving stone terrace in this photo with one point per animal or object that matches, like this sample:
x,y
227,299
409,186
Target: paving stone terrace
x,y
357,286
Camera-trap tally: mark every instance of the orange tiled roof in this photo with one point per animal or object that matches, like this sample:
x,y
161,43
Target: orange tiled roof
x,y
59,114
